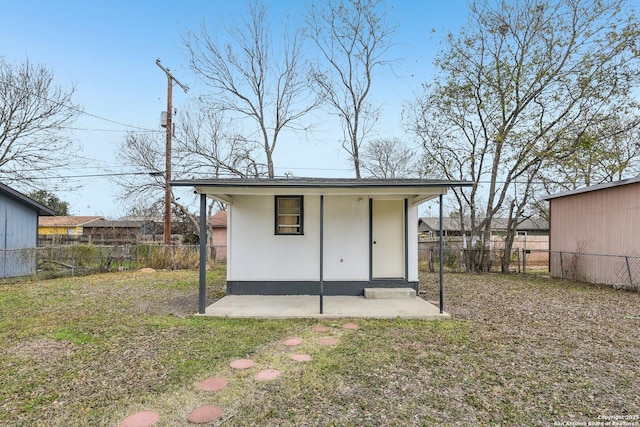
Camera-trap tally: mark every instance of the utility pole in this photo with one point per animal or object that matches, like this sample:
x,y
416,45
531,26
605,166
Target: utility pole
x,y
167,173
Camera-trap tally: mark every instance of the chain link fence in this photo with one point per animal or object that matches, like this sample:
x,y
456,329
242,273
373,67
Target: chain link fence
x,y
71,260
456,259
619,271
17,262
75,260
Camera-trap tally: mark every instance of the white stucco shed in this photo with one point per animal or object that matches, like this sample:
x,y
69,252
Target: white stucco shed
x,y
310,236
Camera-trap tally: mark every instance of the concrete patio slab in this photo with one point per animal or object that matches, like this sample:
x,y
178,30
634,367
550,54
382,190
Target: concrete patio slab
x,y
308,306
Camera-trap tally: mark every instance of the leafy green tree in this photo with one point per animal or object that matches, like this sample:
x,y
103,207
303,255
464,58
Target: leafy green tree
x,y
517,90
51,201
597,158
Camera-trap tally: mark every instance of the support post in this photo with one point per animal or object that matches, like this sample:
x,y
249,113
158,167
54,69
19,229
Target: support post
x,y
167,171
202,294
321,252
441,259
626,258
167,167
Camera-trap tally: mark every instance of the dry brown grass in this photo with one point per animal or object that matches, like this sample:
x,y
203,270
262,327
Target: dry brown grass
x,y
518,351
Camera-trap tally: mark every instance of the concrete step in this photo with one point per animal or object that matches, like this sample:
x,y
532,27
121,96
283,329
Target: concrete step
x,y
389,293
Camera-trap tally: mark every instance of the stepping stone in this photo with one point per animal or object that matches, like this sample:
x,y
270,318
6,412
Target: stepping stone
x,y
204,414
351,326
213,384
328,341
320,328
241,364
267,375
293,341
141,419
301,357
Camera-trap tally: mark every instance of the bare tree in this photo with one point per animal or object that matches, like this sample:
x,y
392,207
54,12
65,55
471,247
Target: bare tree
x,y
209,146
205,146
353,37
517,90
254,78
389,158
33,114
145,153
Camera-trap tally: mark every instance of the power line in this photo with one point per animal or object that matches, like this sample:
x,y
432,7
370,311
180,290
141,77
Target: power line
x,y
69,107
102,175
111,130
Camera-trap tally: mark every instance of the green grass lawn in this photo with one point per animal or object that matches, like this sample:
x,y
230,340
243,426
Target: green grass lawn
x,y
519,350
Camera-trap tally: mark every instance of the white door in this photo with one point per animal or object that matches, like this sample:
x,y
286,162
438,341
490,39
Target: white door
x,y
387,239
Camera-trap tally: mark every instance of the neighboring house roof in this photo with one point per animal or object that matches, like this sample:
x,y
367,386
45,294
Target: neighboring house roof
x,y
118,223
433,224
602,186
219,220
497,224
144,219
16,195
223,189
69,221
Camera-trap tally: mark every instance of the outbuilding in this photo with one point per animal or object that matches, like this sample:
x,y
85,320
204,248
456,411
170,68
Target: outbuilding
x,y
319,236
593,233
18,232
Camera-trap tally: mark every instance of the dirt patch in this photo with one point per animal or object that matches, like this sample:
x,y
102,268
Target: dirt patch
x,y
44,348
178,305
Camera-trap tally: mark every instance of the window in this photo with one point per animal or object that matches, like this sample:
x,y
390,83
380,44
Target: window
x,y
289,210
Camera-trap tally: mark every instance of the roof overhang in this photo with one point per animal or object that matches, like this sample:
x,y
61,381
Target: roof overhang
x,y
417,190
27,201
597,187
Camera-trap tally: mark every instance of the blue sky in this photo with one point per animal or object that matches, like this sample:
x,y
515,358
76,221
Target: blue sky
x,y
108,50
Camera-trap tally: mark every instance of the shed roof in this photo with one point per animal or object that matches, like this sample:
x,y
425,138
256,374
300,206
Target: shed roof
x,y
68,221
602,186
16,195
224,189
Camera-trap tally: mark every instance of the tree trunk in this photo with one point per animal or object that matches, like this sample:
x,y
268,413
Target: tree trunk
x,y
512,225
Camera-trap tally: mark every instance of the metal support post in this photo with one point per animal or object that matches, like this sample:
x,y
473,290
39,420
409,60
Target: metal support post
x,y
202,294
441,260
626,258
321,253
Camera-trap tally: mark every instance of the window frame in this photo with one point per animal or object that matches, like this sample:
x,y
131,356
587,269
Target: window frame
x,y
277,215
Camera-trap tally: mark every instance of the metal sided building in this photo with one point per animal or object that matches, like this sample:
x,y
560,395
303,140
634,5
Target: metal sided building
x,y
18,232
